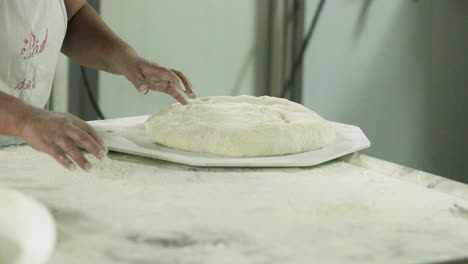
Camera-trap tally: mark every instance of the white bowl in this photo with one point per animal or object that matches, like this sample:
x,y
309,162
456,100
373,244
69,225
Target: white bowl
x,y
27,230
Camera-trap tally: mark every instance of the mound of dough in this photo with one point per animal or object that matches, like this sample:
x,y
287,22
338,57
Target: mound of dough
x,y
240,126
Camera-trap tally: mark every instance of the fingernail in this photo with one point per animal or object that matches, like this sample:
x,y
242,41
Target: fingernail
x,y
102,154
87,167
182,86
143,89
192,95
71,167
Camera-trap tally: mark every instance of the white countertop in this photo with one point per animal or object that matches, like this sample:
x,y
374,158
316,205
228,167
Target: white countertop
x,y
357,209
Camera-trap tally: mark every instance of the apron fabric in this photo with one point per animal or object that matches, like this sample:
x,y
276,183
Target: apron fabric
x,y
31,36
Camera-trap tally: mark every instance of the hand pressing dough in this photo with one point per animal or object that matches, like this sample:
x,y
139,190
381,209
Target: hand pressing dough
x,y
240,126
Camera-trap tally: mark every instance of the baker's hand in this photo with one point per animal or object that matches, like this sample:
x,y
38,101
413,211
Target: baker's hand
x,y
146,75
61,136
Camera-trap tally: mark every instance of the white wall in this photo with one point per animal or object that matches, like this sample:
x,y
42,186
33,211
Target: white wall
x,y
399,70
219,45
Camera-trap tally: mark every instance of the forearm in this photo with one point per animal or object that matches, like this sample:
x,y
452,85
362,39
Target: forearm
x,y
12,110
90,42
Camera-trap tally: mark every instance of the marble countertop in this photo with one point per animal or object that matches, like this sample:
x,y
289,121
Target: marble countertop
x,y
135,210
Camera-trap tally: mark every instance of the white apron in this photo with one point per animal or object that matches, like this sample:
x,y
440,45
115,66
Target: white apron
x,y
31,36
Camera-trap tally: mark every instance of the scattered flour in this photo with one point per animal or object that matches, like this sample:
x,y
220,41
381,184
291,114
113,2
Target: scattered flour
x,y
144,211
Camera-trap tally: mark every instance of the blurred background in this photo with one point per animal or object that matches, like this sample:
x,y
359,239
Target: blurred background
x,y
398,69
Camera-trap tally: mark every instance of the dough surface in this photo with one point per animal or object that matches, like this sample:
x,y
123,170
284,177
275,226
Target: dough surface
x,y
240,126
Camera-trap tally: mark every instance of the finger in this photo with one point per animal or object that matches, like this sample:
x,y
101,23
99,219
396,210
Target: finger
x,y
188,86
72,151
59,155
153,85
143,89
177,95
176,84
157,80
83,139
172,90
164,74
90,130
139,81
158,72
159,86
179,84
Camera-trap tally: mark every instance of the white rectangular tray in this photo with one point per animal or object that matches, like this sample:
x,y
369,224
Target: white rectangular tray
x,y
127,135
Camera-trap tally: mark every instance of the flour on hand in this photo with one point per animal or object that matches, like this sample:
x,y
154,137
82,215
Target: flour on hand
x,y
240,126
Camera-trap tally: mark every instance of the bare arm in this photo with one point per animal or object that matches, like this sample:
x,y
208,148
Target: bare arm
x,y
11,110
90,42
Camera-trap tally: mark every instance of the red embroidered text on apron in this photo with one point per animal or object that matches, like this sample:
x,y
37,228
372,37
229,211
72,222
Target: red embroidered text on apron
x,y
31,36
32,46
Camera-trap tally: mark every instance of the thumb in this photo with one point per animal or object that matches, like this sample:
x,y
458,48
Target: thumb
x,y
139,81
143,89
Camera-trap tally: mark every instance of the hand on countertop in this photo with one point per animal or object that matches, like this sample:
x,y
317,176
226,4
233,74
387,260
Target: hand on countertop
x,y
61,136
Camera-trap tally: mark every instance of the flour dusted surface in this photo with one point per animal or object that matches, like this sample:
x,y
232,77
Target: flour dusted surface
x,y
130,209
240,126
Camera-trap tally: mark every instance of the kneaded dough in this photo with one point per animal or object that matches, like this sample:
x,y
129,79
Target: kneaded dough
x,y
240,126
